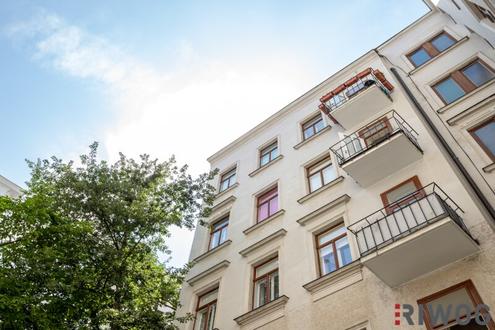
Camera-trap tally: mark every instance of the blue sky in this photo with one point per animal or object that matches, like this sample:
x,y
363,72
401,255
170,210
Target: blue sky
x,y
137,75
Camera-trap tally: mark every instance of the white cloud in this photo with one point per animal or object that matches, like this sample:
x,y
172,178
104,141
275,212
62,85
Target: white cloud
x,y
190,111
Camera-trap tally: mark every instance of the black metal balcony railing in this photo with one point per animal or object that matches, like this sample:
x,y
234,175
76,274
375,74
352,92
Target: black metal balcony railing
x,y
372,135
407,215
352,88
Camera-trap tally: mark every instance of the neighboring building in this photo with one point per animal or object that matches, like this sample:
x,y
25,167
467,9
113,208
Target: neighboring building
x,y
333,219
9,188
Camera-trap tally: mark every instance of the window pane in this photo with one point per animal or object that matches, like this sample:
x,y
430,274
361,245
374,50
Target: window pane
x,y
265,159
308,132
315,182
327,260
274,286
419,57
442,42
260,292
268,195
224,185
477,73
214,239
449,90
223,235
343,251
274,153
220,223
211,319
323,238
273,206
232,179
319,125
401,192
201,319
329,174
487,136
262,211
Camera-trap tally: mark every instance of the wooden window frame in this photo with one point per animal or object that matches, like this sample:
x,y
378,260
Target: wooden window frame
x,y
227,176
212,232
331,242
391,207
462,80
430,49
363,131
473,130
268,151
320,171
312,126
258,204
208,305
468,285
268,277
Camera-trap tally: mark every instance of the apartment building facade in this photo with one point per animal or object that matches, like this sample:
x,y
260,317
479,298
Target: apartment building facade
x,y
344,210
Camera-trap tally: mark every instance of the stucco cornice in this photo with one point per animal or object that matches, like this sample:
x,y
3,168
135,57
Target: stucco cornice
x,y
330,205
259,312
212,251
270,238
221,265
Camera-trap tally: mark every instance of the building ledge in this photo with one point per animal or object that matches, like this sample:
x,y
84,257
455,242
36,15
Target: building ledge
x,y
264,222
465,97
472,109
212,251
226,191
223,203
335,281
330,205
259,169
266,310
221,265
304,142
270,238
489,168
321,189
458,42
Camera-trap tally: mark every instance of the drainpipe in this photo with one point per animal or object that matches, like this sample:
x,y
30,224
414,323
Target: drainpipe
x,y
446,146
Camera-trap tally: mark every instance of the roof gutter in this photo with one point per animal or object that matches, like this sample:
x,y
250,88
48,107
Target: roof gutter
x,y
481,197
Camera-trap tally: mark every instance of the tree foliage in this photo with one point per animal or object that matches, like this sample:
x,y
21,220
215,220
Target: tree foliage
x,y
79,249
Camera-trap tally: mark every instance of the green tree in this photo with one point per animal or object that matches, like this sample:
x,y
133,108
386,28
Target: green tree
x,y
79,249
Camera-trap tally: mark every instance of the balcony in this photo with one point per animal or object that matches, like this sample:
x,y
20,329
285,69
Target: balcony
x,y
414,236
358,99
366,154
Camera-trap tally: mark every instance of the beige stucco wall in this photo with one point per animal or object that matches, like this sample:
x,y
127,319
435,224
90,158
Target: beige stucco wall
x,y
368,299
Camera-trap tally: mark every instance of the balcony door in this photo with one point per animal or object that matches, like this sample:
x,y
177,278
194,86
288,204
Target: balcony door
x,y
376,132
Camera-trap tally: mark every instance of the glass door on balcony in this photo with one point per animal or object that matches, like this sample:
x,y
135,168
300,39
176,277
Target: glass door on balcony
x,y
376,132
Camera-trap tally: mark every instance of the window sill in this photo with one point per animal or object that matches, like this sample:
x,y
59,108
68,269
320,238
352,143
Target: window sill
x,y
303,142
269,312
196,278
232,187
321,189
459,42
489,168
259,169
264,222
212,251
456,102
262,242
335,281
330,205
